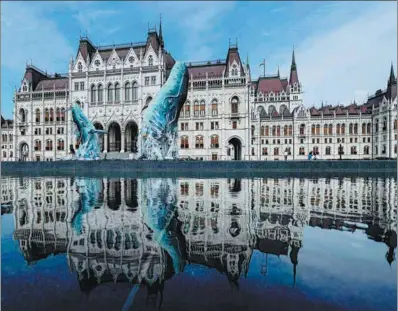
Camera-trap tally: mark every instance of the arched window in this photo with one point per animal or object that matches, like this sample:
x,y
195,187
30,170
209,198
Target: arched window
x,y
214,141
37,115
100,94
363,128
318,129
355,128
80,67
368,127
262,130
302,129
214,107
127,91
313,129
267,130
273,130
110,93
353,150
330,129
117,92
202,108
366,150
235,105
327,150
385,124
51,114
150,60
58,115
62,114
395,149
199,142
351,128
276,151
338,129
184,142
285,130
134,95
278,130
395,124
187,109
22,115
37,145
290,133
49,145
325,129
343,129
60,144
46,115
301,151
196,108
93,94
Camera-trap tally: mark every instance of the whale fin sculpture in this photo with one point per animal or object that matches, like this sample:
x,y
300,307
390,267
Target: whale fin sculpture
x,y
89,148
160,118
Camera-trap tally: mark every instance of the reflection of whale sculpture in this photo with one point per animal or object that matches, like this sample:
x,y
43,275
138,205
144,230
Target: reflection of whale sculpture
x,y
89,191
159,209
87,134
160,118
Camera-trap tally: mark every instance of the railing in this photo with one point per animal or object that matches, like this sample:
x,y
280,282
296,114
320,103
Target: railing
x,y
131,147
150,68
115,146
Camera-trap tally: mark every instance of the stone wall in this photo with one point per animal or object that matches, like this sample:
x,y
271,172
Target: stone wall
x,y
202,168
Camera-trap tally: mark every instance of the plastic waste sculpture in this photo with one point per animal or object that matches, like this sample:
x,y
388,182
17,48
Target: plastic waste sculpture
x,y
159,207
89,148
160,118
89,191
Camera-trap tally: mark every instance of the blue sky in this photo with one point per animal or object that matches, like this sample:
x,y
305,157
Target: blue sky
x,y
343,49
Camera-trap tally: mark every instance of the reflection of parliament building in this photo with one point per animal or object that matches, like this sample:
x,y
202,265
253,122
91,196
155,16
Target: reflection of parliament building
x,y
221,223
228,113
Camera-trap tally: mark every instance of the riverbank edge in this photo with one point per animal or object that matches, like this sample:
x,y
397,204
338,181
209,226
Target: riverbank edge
x,y
202,168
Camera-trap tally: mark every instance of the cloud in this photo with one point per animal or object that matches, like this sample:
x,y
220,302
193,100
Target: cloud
x,y
343,51
199,24
355,56
94,20
278,9
27,34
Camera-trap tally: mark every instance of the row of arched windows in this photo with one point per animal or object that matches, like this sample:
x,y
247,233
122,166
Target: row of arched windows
x,y
199,107
80,66
113,92
199,142
275,130
49,145
49,115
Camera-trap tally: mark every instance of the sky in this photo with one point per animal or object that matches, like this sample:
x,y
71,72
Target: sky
x,y
343,50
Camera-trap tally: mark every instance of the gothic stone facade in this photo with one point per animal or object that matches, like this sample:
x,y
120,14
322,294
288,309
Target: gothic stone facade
x,y
228,115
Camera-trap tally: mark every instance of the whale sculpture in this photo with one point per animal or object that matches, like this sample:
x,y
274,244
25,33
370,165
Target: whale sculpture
x,y
89,148
160,118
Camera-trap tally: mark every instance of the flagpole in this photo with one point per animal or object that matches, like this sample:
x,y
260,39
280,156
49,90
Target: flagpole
x,y
264,68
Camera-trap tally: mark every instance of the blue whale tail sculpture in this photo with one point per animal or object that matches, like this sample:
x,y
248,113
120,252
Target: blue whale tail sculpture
x,y
89,148
160,118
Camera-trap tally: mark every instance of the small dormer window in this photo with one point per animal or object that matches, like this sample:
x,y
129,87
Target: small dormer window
x,y
24,87
131,59
97,62
150,60
234,71
80,67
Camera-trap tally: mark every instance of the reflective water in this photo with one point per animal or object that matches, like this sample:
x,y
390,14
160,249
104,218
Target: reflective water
x,y
211,244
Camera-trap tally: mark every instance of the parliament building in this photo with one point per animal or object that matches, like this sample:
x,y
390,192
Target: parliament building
x,y
228,114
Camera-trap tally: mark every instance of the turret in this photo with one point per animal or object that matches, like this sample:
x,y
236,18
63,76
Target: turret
x,y
391,85
293,71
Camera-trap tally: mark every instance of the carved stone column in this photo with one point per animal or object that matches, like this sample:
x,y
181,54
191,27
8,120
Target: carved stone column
x,y
122,141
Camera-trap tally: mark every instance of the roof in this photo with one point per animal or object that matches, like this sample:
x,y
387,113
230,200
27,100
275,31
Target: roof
x,y
51,84
6,122
233,55
214,69
271,84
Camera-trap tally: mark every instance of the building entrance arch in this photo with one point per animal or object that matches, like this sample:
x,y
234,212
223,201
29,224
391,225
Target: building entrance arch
x,y
23,151
235,147
114,137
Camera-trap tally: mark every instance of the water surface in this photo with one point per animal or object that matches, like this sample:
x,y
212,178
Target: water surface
x,y
199,244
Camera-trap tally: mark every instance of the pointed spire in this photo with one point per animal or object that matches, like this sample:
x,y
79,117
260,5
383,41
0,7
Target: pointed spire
x,y
278,72
392,78
160,32
247,60
293,67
